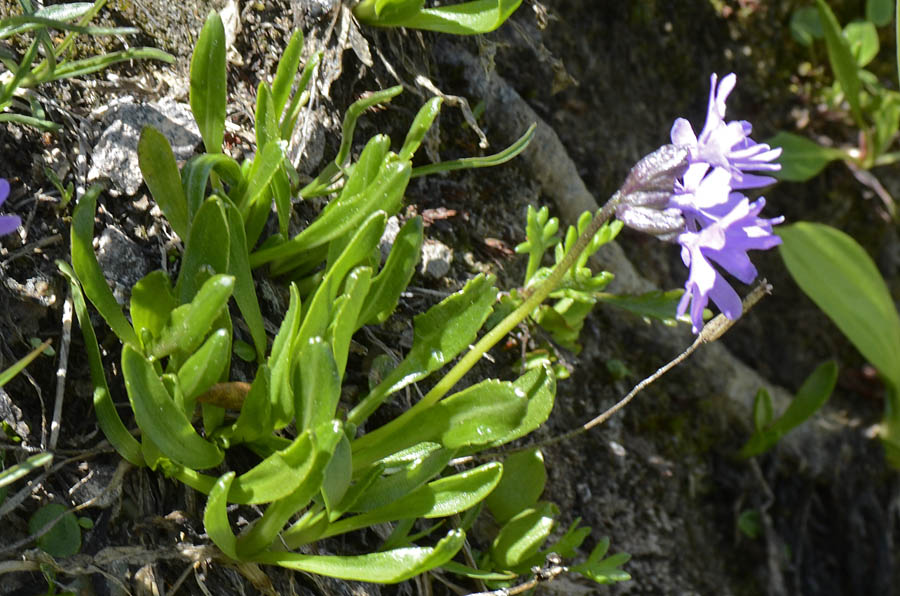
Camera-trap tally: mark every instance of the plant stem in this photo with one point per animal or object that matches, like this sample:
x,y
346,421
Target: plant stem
x,y
537,296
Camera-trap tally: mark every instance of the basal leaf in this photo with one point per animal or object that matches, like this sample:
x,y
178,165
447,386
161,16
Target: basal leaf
x,y
157,163
160,418
438,498
86,267
285,73
801,158
152,301
318,388
842,62
206,252
208,83
205,366
387,567
189,324
837,274
244,285
523,482
522,536
439,335
215,517
107,416
420,127
393,278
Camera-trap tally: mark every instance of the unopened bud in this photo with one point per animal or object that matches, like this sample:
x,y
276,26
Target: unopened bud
x,y
658,171
665,224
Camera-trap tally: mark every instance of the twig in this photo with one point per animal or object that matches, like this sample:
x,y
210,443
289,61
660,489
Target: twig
x,y
30,248
61,371
710,333
542,575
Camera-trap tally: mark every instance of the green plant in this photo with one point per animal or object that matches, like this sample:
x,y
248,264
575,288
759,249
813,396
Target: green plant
x,y
318,475
840,277
873,108
466,18
811,396
46,61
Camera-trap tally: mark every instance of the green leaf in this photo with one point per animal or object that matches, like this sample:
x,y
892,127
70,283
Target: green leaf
x,y
385,193
519,540
195,176
189,324
206,252
300,97
78,68
152,301
13,473
523,482
205,366
886,117
257,203
605,571
439,498
215,517
64,538
7,375
468,18
763,411
394,277
84,261
359,250
244,285
842,62
880,12
266,116
310,476
438,336
208,83
276,476
285,73
410,476
346,313
837,274
863,40
281,361
387,567
475,416
657,304
420,127
157,163
319,387
801,158
479,162
811,396
107,415
539,385
806,25
337,480
160,418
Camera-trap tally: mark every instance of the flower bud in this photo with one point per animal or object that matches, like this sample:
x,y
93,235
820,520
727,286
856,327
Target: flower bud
x,y
657,172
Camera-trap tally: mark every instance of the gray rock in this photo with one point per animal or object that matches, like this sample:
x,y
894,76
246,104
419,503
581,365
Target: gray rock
x,y
436,259
115,155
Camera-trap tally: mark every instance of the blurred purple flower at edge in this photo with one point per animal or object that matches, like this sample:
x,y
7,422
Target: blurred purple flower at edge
x,y
8,223
720,225
685,193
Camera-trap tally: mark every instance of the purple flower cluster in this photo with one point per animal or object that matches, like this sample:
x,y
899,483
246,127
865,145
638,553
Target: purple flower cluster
x,y
704,213
8,223
721,225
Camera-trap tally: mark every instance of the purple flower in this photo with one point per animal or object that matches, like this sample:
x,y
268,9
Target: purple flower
x,y
714,225
725,144
8,223
726,243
